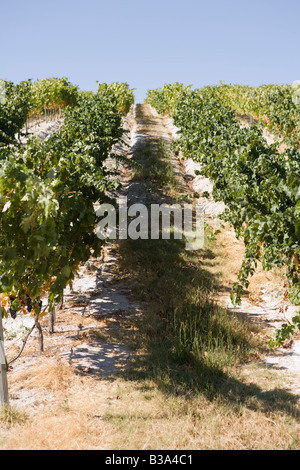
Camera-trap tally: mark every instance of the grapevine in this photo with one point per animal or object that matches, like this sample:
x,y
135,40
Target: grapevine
x,y
47,196
258,184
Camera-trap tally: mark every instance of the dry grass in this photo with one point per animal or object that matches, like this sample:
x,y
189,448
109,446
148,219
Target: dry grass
x,y
124,415
51,374
64,431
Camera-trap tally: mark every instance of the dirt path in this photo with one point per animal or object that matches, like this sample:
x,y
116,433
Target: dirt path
x,y
74,386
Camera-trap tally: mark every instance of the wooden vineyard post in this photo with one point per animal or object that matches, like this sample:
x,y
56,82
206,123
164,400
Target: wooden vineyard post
x,y
3,367
51,320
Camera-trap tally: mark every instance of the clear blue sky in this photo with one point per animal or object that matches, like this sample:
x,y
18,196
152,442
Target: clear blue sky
x,y
150,43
